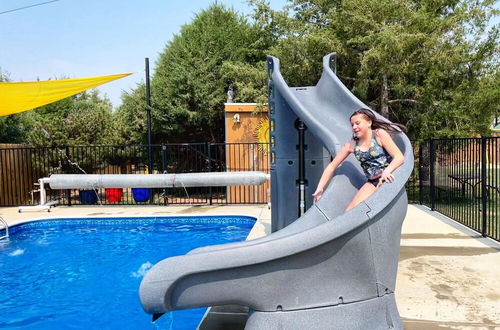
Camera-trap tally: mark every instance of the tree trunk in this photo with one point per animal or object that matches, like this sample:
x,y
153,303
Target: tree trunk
x,y
384,97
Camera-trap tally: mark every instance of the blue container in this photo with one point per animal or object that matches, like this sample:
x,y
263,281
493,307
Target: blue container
x,y
88,197
140,194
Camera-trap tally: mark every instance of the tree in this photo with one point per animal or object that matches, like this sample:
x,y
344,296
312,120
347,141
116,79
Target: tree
x,y
130,117
12,128
190,84
79,120
90,120
432,65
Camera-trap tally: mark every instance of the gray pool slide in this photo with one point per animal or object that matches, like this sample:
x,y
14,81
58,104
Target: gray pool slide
x,y
328,269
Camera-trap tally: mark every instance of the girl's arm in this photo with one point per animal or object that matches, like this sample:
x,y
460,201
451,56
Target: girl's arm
x,y
330,169
388,143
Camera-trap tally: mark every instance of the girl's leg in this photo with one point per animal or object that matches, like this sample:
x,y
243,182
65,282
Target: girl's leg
x,y
363,193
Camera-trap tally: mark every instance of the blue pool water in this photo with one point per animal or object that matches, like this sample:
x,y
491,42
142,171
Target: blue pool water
x,y
85,273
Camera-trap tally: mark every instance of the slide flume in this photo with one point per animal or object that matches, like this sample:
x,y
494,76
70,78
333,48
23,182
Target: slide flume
x,y
328,269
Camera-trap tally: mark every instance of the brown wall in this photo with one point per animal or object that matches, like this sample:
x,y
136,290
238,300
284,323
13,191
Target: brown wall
x,y
244,131
246,156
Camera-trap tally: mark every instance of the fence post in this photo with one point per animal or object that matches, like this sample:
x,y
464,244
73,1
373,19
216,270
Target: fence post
x,y
164,158
209,147
164,166
227,160
149,167
483,186
68,191
421,174
432,157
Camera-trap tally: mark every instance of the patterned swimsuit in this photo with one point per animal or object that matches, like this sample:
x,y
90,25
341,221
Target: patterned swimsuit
x,y
374,160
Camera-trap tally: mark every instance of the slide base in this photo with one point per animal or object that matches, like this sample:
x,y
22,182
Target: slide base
x,y
377,313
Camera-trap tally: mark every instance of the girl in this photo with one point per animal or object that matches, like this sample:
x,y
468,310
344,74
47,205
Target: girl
x,y
374,148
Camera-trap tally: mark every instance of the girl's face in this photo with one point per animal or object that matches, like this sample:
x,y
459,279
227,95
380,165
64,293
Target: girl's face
x,y
360,125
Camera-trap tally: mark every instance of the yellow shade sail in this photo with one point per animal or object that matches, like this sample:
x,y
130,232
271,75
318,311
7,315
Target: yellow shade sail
x,y
21,96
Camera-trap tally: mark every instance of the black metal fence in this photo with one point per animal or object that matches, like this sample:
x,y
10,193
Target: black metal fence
x,y
20,168
456,177
460,179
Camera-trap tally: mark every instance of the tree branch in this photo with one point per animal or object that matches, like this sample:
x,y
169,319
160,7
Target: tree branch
x,y
405,100
347,78
384,96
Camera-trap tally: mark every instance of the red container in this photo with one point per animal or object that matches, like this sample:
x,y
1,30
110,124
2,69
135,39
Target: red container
x,y
114,195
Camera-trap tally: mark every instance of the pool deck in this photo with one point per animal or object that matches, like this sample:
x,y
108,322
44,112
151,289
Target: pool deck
x,y
448,276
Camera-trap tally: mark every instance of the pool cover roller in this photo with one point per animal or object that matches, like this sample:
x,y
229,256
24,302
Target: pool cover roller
x,y
328,269
203,179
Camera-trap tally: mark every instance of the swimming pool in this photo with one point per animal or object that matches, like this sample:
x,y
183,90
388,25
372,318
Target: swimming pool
x,y
85,273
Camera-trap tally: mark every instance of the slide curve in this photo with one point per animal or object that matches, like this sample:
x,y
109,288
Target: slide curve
x,y
329,268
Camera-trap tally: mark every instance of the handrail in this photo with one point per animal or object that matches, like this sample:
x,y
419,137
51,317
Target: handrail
x,y
6,228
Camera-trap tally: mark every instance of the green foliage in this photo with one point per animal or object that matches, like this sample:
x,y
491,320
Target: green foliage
x,y
90,121
130,117
189,87
11,127
250,81
431,65
85,119
191,81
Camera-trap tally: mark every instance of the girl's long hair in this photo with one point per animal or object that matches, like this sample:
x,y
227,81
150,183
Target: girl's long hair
x,y
393,128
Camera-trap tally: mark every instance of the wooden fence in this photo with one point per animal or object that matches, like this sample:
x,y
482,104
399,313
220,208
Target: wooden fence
x,y
15,161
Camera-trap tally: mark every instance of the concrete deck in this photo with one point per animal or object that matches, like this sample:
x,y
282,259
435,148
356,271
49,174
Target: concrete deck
x,y
448,278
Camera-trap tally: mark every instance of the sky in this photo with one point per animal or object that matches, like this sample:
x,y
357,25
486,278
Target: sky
x,y
84,38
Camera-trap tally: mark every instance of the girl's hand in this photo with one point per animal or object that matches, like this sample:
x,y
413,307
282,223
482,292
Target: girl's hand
x,y
386,177
317,194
